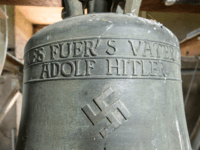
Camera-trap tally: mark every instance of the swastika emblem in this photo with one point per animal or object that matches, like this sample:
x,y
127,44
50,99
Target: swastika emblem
x,y
112,113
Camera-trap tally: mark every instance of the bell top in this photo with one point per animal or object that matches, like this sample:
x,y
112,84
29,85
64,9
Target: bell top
x,y
103,25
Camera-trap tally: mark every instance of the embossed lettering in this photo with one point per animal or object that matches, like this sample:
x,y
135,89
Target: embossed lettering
x,y
89,64
55,69
147,48
158,51
135,62
133,45
110,66
89,49
114,49
166,52
154,68
77,63
45,70
163,70
41,54
34,59
62,59
172,53
62,49
63,70
124,67
144,73
78,49
54,50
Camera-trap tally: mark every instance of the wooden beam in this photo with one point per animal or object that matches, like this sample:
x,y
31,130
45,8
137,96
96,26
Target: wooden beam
x,y
147,5
2,52
191,46
38,27
38,15
47,3
13,65
18,112
8,104
189,62
23,32
2,14
22,25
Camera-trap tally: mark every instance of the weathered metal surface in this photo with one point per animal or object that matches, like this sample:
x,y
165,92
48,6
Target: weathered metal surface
x,y
103,81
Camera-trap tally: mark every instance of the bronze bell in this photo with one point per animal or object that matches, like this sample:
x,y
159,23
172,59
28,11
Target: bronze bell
x,y
103,81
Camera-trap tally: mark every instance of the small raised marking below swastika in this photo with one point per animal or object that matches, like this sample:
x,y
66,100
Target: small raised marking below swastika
x,y
109,105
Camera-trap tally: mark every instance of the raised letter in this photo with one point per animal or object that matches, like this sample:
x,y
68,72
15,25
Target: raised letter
x,y
163,70
114,48
55,69
134,66
63,72
78,51
124,67
154,68
158,50
41,54
77,64
166,52
110,67
54,50
45,70
143,69
172,53
62,50
134,49
89,49
147,48
34,54
89,64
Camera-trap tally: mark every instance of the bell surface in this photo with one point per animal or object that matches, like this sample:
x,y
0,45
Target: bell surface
x,y
103,82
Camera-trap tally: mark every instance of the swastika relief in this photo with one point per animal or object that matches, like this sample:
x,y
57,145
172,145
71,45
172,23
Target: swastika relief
x,y
111,108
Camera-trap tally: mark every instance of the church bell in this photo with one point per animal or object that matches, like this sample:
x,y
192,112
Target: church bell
x,y
103,81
